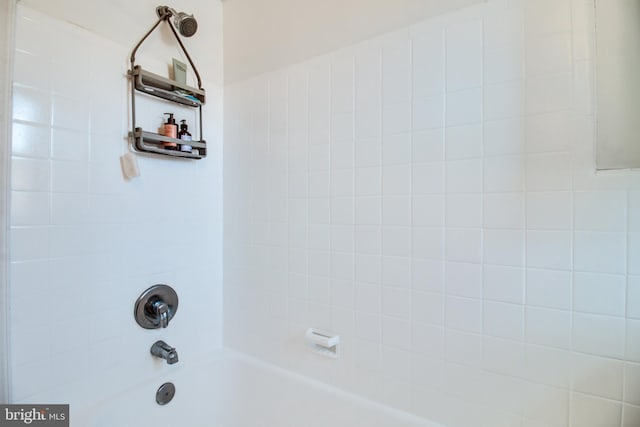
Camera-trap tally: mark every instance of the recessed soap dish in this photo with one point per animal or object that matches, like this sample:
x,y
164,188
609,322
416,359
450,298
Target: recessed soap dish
x,y
322,342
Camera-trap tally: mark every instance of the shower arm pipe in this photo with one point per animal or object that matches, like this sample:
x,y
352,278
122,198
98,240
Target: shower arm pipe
x,y
165,17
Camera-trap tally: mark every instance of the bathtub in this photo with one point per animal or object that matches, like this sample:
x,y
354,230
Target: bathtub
x,y
234,390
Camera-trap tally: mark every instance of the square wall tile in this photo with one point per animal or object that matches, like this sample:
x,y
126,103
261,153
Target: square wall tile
x,y
633,340
600,211
503,174
599,294
463,314
464,210
427,243
549,210
428,340
633,297
464,245
549,249
502,137
550,328
428,307
634,253
503,64
632,383
548,172
503,247
601,252
396,210
31,140
464,107
502,320
547,405
503,210
428,63
428,113
396,180
396,241
427,275
548,54
549,132
504,357
598,376
505,284
29,243
634,211
463,348
30,208
464,279
464,55
428,178
396,302
549,288
504,100
428,146
30,175
396,66
631,415
599,335
589,411
464,142
396,332
464,176
547,365
396,149
428,211
31,105
549,93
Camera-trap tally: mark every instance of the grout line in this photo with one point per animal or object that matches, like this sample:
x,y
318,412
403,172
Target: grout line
x,y
411,196
482,201
626,305
573,228
443,288
288,174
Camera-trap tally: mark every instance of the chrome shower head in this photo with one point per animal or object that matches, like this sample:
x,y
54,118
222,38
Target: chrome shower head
x,y
185,23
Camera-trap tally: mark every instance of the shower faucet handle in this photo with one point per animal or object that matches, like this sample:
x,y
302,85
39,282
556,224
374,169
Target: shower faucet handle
x,y
162,311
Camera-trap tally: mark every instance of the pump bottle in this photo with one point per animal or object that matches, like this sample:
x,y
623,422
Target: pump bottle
x,y
185,136
170,129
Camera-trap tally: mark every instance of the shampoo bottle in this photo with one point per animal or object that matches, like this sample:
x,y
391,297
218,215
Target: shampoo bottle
x,y
184,135
170,129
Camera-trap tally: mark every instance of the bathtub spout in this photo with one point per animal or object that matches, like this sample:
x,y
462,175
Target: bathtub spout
x,y
164,351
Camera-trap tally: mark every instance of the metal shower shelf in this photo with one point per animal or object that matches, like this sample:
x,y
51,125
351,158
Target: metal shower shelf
x,y
155,85
162,87
152,143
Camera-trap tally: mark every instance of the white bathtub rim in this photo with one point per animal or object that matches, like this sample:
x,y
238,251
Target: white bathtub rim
x,y
330,389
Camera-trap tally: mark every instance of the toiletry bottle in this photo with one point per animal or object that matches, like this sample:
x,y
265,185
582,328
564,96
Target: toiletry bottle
x,y
185,136
170,129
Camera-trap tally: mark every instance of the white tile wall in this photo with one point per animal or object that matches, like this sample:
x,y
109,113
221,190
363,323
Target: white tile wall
x,y
85,242
443,177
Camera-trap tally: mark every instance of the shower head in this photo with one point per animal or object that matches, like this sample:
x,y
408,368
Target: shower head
x,y
186,24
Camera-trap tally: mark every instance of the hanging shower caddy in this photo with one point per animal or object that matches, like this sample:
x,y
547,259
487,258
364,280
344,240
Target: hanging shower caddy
x,y
155,85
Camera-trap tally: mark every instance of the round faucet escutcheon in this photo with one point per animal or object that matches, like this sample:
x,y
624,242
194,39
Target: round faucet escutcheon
x,y
156,306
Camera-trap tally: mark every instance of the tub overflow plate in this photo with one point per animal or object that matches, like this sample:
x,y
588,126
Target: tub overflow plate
x,y
165,393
